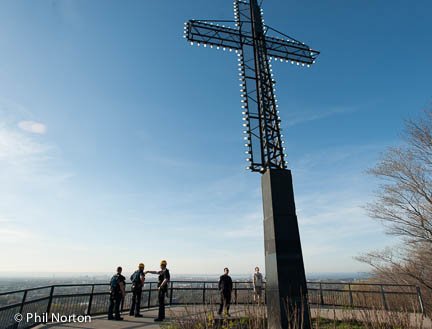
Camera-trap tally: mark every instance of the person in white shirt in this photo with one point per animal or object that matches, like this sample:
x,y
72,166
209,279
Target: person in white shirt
x,y
257,285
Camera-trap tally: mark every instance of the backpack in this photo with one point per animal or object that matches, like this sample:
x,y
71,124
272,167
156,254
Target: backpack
x,y
114,283
136,277
136,280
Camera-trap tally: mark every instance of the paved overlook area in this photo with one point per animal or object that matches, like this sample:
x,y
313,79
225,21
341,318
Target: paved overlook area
x,y
147,322
130,322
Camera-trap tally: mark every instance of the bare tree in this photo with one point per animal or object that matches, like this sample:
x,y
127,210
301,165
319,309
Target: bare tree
x,y
403,204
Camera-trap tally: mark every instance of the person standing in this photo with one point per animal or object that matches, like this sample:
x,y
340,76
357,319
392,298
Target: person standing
x,y
137,279
164,278
225,289
257,285
117,292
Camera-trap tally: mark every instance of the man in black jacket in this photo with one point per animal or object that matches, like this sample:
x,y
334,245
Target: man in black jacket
x,y
117,292
225,288
163,281
137,279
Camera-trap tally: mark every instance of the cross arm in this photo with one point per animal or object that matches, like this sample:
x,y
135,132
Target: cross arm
x,y
207,33
290,50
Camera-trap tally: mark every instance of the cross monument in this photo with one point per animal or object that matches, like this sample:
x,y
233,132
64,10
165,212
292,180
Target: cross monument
x,y
286,290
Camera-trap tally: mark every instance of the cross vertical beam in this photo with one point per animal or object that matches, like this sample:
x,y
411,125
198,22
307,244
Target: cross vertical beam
x,y
262,122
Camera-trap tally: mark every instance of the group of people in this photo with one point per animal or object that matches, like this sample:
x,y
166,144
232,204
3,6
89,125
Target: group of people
x,y
118,291
226,286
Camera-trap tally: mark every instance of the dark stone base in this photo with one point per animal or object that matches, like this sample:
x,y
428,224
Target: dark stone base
x,y
286,289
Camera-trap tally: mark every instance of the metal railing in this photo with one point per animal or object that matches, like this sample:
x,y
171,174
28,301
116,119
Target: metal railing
x,y
93,299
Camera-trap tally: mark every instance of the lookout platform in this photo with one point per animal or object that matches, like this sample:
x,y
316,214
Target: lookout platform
x,y
237,311
340,300
147,321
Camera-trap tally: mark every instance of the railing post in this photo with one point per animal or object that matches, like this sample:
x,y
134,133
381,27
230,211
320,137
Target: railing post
x,y
235,292
123,299
90,300
321,294
350,294
420,300
23,301
50,301
251,292
149,296
204,288
21,308
171,293
383,298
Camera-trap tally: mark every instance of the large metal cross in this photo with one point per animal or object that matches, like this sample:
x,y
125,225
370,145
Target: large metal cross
x,y
286,289
255,48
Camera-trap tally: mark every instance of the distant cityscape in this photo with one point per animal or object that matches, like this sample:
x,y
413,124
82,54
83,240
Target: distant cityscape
x,y
18,281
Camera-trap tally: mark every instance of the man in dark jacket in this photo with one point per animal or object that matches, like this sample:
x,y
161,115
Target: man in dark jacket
x,y
117,292
137,279
225,289
163,281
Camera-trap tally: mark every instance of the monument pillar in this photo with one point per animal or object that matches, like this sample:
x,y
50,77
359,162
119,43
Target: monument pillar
x,y
286,290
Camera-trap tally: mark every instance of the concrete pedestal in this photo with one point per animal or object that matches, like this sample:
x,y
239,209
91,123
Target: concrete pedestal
x,y
286,289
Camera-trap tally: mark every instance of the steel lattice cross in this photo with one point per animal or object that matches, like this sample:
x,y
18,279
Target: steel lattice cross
x,y
250,40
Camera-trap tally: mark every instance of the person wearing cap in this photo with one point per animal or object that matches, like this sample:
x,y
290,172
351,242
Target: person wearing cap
x,y
225,289
137,279
164,278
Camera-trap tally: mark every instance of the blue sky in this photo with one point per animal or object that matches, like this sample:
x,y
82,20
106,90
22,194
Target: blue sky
x,y
121,143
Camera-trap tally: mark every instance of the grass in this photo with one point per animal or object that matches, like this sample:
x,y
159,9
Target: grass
x,y
254,317
339,324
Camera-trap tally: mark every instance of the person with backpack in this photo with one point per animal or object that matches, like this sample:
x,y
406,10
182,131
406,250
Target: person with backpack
x,y
137,279
225,289
164,278
117,292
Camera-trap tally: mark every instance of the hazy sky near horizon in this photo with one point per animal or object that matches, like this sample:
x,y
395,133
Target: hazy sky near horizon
x,y
120,143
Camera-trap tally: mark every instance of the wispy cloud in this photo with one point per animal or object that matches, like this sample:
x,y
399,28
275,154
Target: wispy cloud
x,y
301,117
250,226
33,127
14,144
15,121
28,162
250,231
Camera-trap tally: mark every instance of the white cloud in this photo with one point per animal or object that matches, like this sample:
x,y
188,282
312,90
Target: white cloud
x,y
33,127
14,144
297,118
